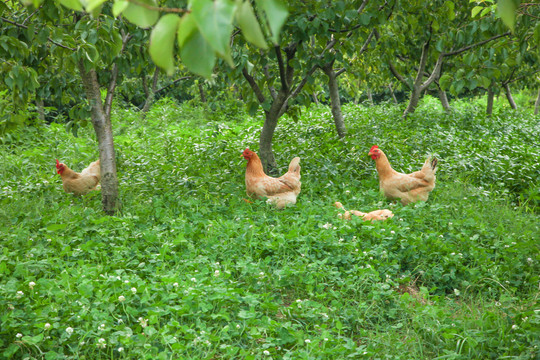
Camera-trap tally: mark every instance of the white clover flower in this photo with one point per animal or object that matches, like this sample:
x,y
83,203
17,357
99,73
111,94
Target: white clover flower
x,y
143,322
134,290
216,273
327,226
121,298
19,335
120,349
266,352
261,273
126,281
31,284
69,330
47,326
82,343
529,260
101,327
392,232
19,295
238,326
457,292
175,285
307,341
193,279
298,300
101,343
515,327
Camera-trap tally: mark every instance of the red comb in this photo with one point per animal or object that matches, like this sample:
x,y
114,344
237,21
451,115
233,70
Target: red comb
x,y
57,163
373,147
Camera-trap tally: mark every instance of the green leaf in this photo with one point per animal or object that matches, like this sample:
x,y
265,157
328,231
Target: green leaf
x,y
247,21
214,20
119,6
162,42
72,4
186,28
54,227
507,12
3,7
445,81
196,54
476,10
92,5
33,340
276,14
141,16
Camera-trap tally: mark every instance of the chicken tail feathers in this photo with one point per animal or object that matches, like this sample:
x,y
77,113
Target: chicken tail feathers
x,y
434,163
294,166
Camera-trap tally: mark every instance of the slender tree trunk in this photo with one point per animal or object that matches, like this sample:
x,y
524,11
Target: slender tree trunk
x,y
413,100
369,96
40,109
509,96
537,104
392,93
201,92
334,99
315,99
150,93
490,96
265,143
444,99
103,128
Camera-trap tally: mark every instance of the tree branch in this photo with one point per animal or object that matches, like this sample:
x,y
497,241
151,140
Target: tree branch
x,y
463,49
35,32
273,92
173,82
282,77
114,76
397,75
256,89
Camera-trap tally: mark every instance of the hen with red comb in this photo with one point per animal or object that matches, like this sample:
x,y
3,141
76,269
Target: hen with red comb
x,y
406,187
79,183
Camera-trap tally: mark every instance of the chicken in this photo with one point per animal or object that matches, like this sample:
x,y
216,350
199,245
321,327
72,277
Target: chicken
x,y
79,183
280,191
371,216
406,187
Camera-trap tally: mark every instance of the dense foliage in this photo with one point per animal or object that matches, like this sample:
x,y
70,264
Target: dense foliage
x,y
190,270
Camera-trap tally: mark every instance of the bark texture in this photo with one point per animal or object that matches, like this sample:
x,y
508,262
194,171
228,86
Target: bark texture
x,y
509,96
490,96
334,99
444,99
103,128
537,104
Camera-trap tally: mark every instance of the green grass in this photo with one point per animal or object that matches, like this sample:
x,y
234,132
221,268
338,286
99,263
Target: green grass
x,y
190,270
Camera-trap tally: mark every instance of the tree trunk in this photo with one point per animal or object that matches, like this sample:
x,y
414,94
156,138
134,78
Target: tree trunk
x,y
334,99
103,128
40,109
413,100
392,93
265,143
369,96
444,99
537,104
150,93
509,97
315,99
490,95
201,92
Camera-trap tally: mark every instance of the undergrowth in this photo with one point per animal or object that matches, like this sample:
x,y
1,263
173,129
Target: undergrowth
x,y
188,269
